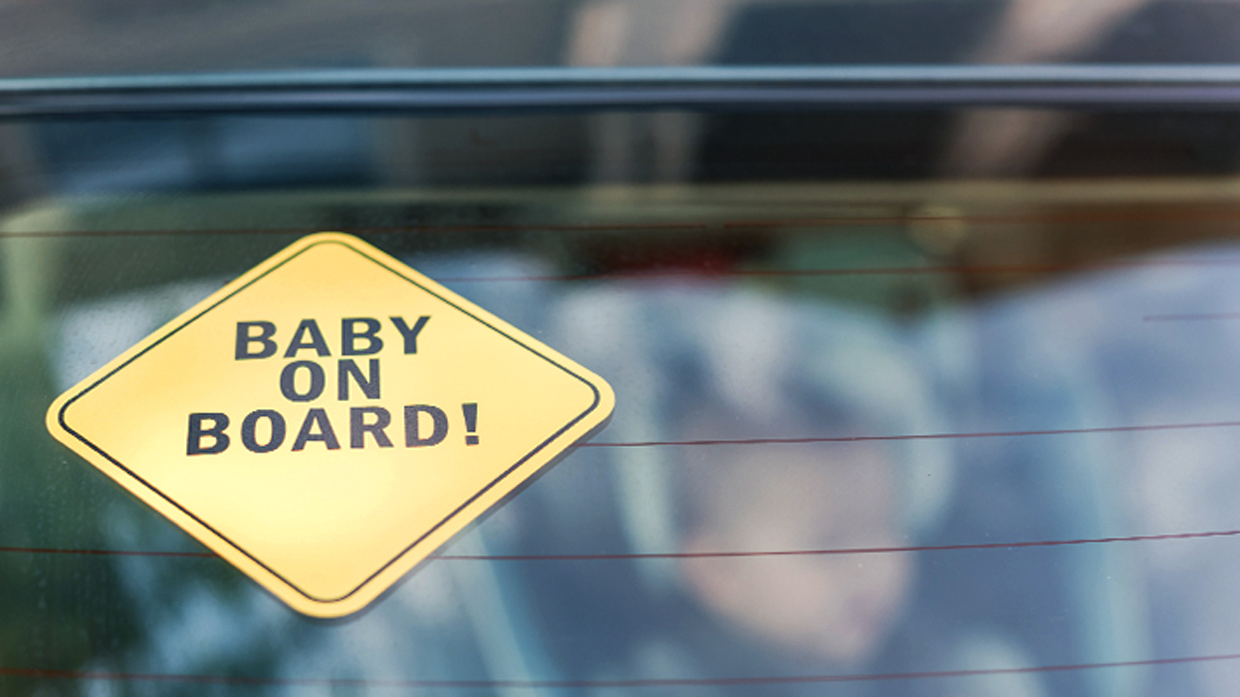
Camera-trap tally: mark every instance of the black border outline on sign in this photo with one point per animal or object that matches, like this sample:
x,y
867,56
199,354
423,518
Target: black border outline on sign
x,y
63,424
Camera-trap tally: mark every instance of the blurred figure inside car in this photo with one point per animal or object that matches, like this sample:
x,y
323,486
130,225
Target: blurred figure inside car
x,y
791,513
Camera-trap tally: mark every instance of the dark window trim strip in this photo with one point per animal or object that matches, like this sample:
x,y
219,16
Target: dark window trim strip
x,y
501,90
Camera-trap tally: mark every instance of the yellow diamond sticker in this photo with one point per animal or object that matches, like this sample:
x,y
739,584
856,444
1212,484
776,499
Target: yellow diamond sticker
x,y
329,419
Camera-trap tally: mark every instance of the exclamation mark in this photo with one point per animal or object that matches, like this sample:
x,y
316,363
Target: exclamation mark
x,y
471,423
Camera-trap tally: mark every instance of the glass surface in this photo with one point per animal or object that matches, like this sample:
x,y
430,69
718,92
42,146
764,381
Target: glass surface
x,y
909,401
880,429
